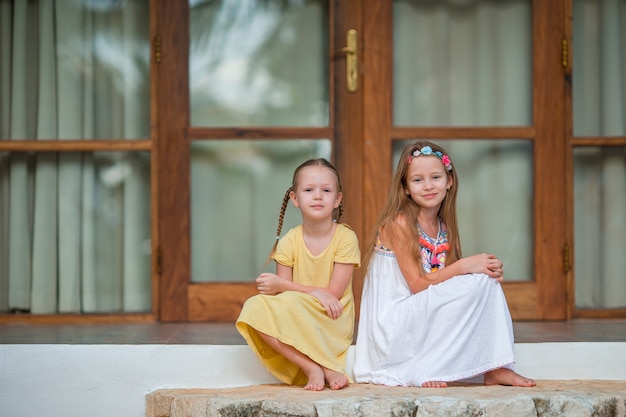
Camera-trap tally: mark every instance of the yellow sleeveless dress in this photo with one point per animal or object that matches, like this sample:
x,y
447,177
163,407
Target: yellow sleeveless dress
x,y
298,319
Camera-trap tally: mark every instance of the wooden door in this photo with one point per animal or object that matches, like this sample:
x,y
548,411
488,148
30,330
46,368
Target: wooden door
x,y
362,132
596,140
182,299
543,294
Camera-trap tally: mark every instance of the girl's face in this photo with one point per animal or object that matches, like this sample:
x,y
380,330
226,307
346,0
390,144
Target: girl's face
x,y
316,193
427,181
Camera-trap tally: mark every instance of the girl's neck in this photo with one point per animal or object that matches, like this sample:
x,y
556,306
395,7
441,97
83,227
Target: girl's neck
x,y
428,220
318,235
318,228
429,224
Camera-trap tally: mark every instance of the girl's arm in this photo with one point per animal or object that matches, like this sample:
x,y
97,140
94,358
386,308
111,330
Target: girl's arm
x,y
395,239
328,297
272,284
282,280
339,280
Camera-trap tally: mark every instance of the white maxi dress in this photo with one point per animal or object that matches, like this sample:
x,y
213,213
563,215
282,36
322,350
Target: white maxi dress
x,y
455,330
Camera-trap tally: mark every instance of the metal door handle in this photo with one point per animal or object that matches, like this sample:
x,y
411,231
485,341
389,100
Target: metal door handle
x,y
352,61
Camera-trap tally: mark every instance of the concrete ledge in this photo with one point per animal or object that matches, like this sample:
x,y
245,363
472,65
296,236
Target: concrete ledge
x,y
548,399
113,380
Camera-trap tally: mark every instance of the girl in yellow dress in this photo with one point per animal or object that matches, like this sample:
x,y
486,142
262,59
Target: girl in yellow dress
x,y
301,323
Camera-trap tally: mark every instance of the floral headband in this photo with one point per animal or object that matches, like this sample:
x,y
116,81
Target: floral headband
x,y
427,150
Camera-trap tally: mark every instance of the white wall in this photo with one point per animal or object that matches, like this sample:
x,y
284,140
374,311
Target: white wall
x,y
113,380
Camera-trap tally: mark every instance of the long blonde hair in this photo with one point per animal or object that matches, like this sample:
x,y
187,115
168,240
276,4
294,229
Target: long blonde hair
x,y
337,212
398,202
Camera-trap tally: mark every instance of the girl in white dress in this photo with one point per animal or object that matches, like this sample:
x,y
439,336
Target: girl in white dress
x,y
428,315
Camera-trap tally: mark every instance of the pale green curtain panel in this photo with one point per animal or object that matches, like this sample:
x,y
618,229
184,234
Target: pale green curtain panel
x,y
599,74
74,227
454,61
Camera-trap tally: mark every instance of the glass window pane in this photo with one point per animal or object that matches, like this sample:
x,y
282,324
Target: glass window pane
x,y
462,63
259,63
75,69
237,192
75,232
494,201
600,226
599,68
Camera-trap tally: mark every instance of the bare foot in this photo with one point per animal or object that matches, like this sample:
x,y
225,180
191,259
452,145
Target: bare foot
x,y
313,372
316,379
336,380
505,376
434,384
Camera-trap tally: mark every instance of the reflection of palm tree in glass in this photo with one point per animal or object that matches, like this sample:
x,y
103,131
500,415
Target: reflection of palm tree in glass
x,y
254,62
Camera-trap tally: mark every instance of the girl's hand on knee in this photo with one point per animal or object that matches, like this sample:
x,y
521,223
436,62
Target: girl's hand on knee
x,y
484,263
495,268
331,304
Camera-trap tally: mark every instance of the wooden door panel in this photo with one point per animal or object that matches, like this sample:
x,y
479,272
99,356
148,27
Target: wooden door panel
x,y
347,123
522,299
171,113
219,302
549,159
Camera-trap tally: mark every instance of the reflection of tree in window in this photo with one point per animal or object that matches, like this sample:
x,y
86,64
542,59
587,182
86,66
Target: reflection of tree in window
x,y
258,62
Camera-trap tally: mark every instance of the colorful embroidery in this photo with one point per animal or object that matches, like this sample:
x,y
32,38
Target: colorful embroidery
x,y
434,251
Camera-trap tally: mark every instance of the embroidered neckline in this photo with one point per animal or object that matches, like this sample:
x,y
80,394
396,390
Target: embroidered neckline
x,y
433,251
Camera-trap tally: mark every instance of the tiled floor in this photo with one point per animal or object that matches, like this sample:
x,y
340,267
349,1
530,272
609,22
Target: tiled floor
x,y
571,331
226,334
132,333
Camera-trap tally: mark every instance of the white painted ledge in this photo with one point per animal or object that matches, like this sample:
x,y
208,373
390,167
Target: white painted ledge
x,y
113,380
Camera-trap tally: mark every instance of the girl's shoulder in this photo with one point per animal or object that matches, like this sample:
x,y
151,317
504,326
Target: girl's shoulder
x,y
397,221
344,237
290,238
396,231
343,226
294,231
344,229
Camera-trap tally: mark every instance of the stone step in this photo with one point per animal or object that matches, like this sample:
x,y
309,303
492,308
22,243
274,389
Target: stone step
x,y
572,398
